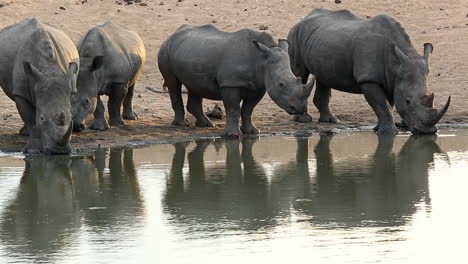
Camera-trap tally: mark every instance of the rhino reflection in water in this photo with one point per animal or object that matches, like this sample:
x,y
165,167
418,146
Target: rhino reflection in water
x,y
383,189
58,194
217,196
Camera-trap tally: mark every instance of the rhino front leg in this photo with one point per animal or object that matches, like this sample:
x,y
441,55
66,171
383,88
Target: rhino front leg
x,y
114,105
248,105
376,98
231,100
28,114
195,107
322,102
128,112
99,122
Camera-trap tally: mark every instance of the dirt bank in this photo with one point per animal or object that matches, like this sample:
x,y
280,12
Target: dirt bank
x,y
443,24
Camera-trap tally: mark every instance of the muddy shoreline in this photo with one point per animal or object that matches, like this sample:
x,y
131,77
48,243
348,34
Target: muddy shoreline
x,y
446,30
90,141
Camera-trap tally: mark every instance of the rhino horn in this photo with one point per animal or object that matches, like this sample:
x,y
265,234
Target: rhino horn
x,y
308,87
66,137
439,113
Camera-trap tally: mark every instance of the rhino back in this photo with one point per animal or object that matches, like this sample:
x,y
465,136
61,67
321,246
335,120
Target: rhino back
x,y
123,50
47,48
205,58
343,50
10,37
50,50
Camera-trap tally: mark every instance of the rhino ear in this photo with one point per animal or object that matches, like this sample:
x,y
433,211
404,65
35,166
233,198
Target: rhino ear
x,y
283,44
98,61
264,49
72,68
30,70
399,54
428,48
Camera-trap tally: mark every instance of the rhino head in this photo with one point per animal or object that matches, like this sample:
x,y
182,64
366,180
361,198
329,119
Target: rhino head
x,y
85,100
53,123
412,100
284,88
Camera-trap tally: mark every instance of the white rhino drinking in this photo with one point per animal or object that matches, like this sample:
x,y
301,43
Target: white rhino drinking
x,y
38,70
112,59
232,67
373,57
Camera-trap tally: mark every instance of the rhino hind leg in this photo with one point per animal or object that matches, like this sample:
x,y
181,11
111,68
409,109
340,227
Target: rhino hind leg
x,y
128,112
231,100
99,122
195,107
175,93
114,105
322,102
376,98
248,105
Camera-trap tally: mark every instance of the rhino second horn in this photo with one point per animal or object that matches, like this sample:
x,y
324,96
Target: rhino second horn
x,y
439,113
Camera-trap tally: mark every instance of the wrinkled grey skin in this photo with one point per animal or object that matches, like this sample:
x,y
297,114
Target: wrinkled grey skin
x,y
373,57
112,59
232,67
38,69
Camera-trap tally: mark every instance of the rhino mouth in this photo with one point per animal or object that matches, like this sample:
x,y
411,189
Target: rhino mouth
x,y
423,131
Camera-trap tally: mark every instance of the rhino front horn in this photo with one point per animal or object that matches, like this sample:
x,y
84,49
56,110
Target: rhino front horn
x,y
67,136
439,113
308,87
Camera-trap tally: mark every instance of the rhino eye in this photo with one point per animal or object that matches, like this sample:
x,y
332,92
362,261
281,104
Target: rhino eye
x,y
281,84
408,102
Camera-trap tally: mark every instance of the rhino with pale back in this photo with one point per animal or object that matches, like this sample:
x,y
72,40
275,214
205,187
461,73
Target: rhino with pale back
x,y
38,69
112,59
374,57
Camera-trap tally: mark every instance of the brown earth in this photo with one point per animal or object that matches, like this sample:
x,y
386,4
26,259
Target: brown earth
x,y
444,23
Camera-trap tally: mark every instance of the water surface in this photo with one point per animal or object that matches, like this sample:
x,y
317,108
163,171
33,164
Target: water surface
x,y
348,198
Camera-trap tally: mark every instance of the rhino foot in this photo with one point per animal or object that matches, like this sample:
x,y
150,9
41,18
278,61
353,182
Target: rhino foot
x,y
250,130
304,118
329,119
99,125
231,133
181,123
116,122
204,123
386,130
130,116
24,131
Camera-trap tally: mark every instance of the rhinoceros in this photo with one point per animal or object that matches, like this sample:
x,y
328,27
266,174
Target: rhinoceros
x,y
374,57
232,67
38,69
112,59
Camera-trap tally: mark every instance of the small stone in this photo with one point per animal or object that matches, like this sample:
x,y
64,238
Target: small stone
x,y
143,4
161,3
63,8
337,1
263,27
214,21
